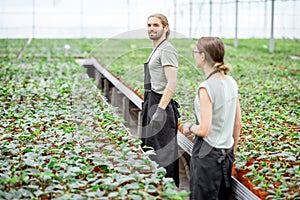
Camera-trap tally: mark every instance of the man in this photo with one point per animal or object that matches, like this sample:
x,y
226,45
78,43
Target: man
x,y
159,111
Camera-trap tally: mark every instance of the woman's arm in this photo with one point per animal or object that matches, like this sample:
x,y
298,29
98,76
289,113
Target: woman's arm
x,y
203,128
237,124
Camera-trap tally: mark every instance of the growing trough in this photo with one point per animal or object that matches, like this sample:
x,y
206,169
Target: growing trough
x,y
129,106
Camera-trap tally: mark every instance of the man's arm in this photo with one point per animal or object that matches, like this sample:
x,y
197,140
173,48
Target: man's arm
x,y
171,75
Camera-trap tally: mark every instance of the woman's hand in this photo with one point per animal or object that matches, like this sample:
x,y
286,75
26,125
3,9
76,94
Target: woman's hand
x,y
187,131
187,128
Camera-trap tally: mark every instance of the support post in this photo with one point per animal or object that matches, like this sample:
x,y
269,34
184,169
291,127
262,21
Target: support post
x,y
175,13
125,110
236,23
272,28
191,17
106,88
114,97
210,17
139,128
33,18
98,79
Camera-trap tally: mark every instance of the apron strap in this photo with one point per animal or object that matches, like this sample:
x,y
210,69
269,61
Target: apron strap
x,y
147,78
155,50
225,165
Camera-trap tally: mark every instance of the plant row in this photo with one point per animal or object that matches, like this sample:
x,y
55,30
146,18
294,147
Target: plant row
x,y
60,140
269,94
268,152
48,48
10,48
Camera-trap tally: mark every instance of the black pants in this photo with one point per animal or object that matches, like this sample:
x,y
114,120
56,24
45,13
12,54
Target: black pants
x,y
210,172
164,142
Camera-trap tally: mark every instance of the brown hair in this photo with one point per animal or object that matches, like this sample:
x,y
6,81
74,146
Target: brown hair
x,y
214,50
164,21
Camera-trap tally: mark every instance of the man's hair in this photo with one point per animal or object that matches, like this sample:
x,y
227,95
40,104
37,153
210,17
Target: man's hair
x,y
164,21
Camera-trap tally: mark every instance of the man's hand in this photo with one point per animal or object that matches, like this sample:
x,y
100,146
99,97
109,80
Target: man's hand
x,y
158,120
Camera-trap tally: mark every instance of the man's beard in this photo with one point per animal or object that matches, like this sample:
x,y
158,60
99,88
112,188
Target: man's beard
x,y
155,35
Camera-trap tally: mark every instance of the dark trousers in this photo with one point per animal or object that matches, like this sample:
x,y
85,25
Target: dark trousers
x,y
210,172
163,141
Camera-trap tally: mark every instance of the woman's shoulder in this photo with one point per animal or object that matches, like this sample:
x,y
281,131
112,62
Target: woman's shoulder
x,y
232,82
203,84
231,79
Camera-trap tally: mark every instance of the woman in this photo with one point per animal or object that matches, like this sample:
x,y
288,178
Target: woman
x,y
218,124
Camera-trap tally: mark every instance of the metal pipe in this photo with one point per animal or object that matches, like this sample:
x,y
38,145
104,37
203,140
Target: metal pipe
x,y
191,14
175,13
210,18
33,18
236,23
272,28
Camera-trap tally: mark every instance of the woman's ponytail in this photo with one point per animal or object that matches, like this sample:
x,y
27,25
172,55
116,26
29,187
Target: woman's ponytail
x,y
222,67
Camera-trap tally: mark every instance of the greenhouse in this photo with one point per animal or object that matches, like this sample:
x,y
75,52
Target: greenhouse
x,y
72,95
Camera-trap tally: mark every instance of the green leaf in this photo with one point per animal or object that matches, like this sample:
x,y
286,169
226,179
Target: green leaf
x,y
113,194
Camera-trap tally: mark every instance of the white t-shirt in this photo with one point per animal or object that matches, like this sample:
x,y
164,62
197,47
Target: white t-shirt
x,y
223,95
165,55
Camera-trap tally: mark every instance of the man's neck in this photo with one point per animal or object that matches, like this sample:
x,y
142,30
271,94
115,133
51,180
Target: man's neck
x,y
157,42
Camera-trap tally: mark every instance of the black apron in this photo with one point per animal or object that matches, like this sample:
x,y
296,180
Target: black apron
x,y
164,142
210,169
